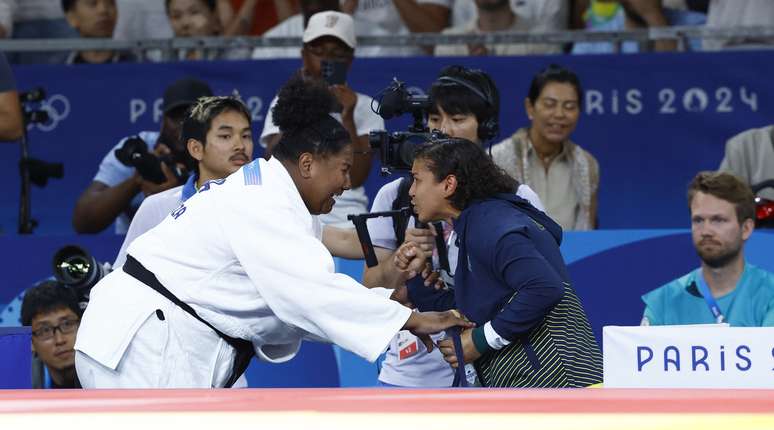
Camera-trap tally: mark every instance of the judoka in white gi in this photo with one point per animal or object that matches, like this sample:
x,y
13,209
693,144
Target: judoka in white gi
x,y
245,255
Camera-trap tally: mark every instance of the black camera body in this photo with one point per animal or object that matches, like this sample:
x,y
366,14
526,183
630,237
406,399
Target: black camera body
x,y
78,270
396,149
134,153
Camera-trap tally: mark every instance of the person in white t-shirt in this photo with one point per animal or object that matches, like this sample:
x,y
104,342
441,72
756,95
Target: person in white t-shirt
x,y
330,37
295,25
463,103
218,137
401,17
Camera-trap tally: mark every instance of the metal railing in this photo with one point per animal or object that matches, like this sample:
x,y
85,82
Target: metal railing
x,y
643,36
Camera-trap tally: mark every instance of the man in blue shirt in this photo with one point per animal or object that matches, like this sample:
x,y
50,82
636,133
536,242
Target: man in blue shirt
x,y
725,288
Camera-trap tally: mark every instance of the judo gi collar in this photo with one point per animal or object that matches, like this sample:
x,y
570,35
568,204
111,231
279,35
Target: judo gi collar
x,y
189,188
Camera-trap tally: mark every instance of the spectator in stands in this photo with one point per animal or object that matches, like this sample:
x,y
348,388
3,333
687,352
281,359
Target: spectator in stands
x,y
495,16
564,175
253,17
739,13
725,288
295,25
147,19
401,17
464,103
53,313
608,15
330,37
11,122
93,19
750,156
510,249
199,18
117,190
217,135
548,15
142,19
34,19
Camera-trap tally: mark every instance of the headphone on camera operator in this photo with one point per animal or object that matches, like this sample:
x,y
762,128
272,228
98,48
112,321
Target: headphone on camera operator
x,y
451,79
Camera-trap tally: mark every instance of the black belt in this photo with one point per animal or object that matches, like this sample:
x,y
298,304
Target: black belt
x,y
244,349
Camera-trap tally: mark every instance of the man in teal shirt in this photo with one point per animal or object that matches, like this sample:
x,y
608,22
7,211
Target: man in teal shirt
x,y
725,288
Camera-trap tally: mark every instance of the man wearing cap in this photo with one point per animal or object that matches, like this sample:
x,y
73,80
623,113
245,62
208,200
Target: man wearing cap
x,y
117,190
329,38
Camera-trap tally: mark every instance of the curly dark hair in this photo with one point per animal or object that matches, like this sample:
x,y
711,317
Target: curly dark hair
x,y
478,177
303,116
45,297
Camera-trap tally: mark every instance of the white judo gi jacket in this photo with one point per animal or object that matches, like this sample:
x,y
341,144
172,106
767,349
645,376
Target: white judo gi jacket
x,y
246,255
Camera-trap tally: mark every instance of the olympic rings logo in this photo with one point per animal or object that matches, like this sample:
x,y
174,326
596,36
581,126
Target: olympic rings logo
x,y
58,109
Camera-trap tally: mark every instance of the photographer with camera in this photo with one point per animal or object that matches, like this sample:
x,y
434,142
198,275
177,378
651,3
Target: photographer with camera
x,y
139,166
462,103
327,54
11,123
218,137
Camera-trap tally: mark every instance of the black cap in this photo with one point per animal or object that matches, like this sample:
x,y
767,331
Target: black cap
x,y
184,92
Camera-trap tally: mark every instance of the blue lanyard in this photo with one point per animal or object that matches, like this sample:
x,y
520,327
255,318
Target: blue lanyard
x,y
460,380
711,303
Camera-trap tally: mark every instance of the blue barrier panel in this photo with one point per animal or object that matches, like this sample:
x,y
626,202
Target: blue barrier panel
x,y
652,121
15,357
610,270
314,366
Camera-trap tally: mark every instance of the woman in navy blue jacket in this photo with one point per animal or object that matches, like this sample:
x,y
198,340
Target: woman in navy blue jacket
x,y
510,280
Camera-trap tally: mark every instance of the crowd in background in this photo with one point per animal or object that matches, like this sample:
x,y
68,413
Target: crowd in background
x,y
156,19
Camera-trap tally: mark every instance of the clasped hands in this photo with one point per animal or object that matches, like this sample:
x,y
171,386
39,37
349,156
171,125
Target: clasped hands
x,y
412,258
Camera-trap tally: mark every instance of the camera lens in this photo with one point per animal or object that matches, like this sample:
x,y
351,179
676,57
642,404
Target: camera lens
x,y
72,265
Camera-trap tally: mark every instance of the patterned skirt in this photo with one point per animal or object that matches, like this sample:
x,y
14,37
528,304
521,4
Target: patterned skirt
x,y
561,352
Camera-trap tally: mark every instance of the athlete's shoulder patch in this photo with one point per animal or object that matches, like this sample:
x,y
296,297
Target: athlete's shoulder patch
x,y
252,172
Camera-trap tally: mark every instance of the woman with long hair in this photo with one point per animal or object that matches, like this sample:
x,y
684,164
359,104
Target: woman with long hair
x,y
510,279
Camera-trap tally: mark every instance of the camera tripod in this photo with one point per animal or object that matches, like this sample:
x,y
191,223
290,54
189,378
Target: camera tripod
x,y
32,170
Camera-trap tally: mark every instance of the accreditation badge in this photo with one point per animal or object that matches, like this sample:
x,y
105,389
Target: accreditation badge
x,y
407,345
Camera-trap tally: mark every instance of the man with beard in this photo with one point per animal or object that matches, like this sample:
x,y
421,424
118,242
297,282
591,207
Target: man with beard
x,y
725,289
118,190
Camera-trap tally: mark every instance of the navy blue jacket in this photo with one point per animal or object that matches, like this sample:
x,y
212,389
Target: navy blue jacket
x,y
510,270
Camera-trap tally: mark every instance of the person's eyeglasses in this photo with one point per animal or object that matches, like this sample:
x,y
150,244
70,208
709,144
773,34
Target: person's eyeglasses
x,y
333,54
65,327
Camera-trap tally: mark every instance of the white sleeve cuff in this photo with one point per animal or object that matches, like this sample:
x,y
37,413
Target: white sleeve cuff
x,y
384,292
493,339
278,353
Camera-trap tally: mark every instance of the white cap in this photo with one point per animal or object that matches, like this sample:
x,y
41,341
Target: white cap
x,y
331,23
